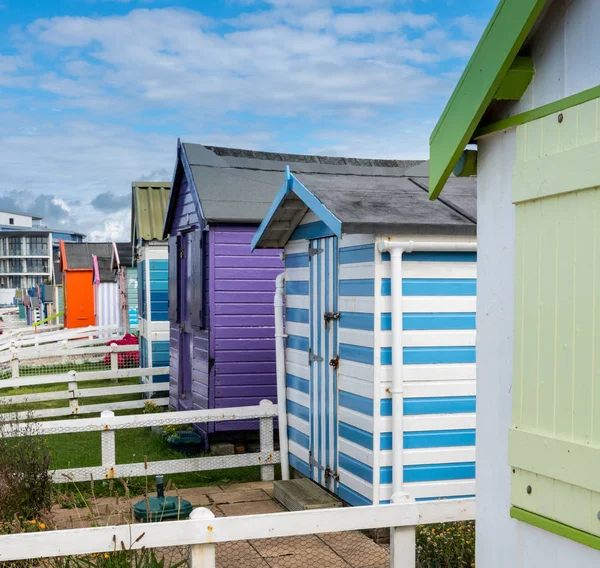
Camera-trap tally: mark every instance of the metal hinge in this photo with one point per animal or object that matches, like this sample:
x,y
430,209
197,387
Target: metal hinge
x,y
181,252
314,463
314,251
335,362
312,357
331,316
182,326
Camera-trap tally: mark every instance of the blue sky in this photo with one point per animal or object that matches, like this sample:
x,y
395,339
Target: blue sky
x,y
95,93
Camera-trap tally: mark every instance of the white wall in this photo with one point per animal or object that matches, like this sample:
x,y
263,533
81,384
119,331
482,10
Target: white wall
x,y
501,541
19,220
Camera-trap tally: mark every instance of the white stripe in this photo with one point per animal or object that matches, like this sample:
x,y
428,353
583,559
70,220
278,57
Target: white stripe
x,y
453,371
313,366
428,338
298,397
359,420
332,352
433,489
432,304
296,274
427,238
295,247
356,337
433,388
356,483
298,424
355,451
434,270
355,386
310,217
323,364
294,328
298,451
302,371
294,301
426,422
359,304
356,370
356,240
296,356
356,271
426,456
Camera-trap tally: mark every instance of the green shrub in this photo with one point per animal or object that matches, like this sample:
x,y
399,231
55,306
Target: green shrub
x,y
25,481
448,545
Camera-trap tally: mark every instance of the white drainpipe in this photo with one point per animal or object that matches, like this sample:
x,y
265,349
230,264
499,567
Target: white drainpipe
x,y
396,250
280,369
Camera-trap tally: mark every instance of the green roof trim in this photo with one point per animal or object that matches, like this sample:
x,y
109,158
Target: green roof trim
x,y
149,207
491,61
517,80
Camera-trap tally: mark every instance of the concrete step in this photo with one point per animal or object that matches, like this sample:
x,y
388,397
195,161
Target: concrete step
x,y
303,495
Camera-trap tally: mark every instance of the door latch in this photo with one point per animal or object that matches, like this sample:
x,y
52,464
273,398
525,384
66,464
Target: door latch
x,y
331,316
182,326
330,474
312,357
181,252
335,362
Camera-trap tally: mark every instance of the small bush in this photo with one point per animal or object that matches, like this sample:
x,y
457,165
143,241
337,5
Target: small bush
x,y
448,545
25,481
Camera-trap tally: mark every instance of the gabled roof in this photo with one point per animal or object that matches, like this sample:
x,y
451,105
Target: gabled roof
x,y
78,256
238,186
479,84
148,209
369,204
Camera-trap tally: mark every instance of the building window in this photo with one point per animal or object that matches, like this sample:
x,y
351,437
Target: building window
x,y
37,265
37,246
11,221
14,246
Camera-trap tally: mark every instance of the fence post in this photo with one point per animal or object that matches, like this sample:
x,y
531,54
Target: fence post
x,y
114,361
202,555
73,398
108,447
403,549
267,471
14,360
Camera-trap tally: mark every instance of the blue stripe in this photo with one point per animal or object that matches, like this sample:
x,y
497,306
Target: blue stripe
x,y
430,355
356,353
299,465
433,287
296,287
362,253
352,497
297,342
431,405
297,383
357,287
297,260
298,410
298,315
311,231
299,437
335,343
159,264
355,402
412,321
351,320
355,467
431,472
432,439
423,256
356,435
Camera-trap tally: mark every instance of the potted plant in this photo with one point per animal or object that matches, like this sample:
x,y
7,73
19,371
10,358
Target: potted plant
x,y
181,437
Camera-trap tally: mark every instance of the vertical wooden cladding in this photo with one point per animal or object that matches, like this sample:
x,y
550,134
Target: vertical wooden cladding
x,y
173,266
197,280
244,336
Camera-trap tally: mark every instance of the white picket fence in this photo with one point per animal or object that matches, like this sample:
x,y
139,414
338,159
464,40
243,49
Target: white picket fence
x,y
108,423
203,531
70,352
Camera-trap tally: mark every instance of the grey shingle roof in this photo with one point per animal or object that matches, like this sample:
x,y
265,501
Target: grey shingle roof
x,y
237,185
79,255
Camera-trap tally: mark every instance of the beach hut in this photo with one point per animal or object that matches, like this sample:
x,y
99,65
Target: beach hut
x,y
148,208
107,301
127,281
529,99
380,288
76,266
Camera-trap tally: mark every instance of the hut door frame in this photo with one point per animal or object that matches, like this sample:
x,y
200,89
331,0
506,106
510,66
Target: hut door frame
x,y
323,358
186,340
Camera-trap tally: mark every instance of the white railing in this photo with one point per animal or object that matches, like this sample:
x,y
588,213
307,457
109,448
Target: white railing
x,y
203,531
108,423
23,337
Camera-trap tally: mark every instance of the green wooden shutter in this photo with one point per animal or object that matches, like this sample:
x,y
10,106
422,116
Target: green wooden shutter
x,y
554,442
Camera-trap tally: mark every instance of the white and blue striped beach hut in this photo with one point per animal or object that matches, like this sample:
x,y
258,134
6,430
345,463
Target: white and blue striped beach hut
x,y
348,239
